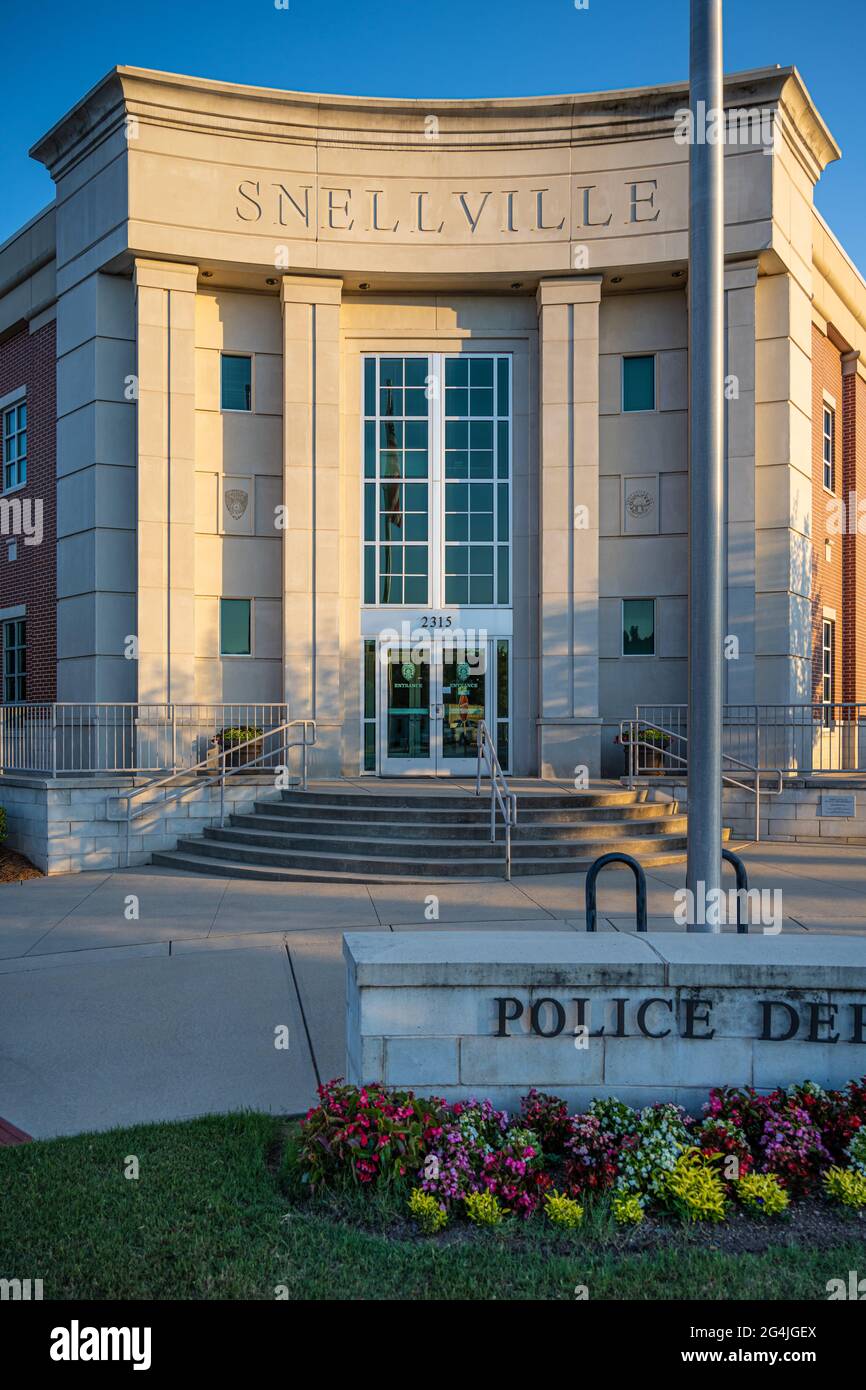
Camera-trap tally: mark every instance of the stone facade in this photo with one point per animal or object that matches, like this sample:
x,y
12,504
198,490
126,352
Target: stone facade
x,y
66,825
197,221
797,813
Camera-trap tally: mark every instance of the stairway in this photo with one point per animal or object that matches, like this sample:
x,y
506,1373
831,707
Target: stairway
x,y
359,837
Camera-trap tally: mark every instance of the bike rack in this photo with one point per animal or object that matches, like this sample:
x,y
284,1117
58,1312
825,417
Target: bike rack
x,y
639,888
742,883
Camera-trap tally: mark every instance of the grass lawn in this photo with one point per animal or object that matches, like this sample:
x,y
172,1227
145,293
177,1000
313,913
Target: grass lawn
x,y
210,1217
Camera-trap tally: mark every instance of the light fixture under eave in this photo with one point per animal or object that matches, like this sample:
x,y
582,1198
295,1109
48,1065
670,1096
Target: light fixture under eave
x,y
518,285
365,285
271,280
616,279
677,274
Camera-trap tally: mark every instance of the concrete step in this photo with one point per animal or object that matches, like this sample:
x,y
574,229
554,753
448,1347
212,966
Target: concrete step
x,y
438,861
273,831
447,802
188,861
470,814
331,835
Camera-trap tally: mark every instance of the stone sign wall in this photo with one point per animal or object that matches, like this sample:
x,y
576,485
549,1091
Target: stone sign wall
x,y
646,1018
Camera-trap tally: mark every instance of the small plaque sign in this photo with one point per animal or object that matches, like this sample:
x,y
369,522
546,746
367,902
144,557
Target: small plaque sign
x,y
839,804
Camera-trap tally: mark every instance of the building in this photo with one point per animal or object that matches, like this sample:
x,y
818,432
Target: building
x,y
306,384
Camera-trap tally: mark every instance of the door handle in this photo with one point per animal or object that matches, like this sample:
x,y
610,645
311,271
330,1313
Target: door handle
x,y
437,711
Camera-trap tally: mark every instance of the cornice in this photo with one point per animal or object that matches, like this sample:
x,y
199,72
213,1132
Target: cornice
x,y
178,102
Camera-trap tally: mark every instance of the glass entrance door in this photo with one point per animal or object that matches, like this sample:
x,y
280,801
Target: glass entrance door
x,y
432,701
464,707
407,712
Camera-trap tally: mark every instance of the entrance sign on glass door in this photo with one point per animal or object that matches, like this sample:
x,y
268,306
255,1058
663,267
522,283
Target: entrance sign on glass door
x,y
432,704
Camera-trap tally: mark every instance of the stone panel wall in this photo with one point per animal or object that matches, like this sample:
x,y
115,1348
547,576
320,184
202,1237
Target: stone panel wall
x,y
68,825
669,1014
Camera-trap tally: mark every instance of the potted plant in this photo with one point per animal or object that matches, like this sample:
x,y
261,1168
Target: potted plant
x,y
652,744
229,741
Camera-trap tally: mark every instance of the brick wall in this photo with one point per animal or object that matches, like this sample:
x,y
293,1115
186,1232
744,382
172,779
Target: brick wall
x,y
854,468
29,359
827,575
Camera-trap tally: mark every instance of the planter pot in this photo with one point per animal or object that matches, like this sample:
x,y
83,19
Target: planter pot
x,y
653,760
239,757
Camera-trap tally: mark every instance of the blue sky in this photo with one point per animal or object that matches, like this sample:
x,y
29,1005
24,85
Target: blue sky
x,y
449,48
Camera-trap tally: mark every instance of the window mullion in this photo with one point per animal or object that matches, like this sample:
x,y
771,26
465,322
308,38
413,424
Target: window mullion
x,y
437,492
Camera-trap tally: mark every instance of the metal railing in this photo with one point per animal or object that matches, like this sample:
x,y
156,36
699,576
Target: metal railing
x,y
640,893
798,738
591,888
229,763
81,738
501,796
650,752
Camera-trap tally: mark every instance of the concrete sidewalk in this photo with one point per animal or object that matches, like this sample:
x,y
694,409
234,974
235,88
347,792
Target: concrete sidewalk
x,y
147,995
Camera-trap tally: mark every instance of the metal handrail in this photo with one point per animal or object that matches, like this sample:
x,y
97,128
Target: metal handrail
x,y
285,747
501,796
634,726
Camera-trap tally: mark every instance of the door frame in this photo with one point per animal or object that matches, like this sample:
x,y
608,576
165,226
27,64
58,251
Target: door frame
x,y
436,765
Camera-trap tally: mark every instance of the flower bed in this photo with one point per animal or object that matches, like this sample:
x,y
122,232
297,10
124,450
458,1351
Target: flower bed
x,y
752,1152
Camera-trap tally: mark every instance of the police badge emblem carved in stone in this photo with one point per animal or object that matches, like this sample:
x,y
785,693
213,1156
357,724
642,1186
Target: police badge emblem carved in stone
x,y
236,501
639,503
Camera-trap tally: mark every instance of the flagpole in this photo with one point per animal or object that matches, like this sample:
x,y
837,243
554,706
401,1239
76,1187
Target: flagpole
x,y
706,425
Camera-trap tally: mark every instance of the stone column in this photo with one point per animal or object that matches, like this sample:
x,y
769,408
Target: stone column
x,y
739,671
96,490
783,491
165,340
569,724
311,471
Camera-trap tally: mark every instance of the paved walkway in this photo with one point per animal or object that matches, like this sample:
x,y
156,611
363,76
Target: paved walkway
x,y
147,994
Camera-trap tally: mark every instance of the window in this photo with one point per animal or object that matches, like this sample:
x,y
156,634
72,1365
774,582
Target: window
x,y
397,470
828,652
829,448
476,480
15,661
235,627
638,627
236,383
639,383
15,446
437,465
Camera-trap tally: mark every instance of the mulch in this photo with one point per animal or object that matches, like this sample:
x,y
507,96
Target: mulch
x,y
14,868
811,1223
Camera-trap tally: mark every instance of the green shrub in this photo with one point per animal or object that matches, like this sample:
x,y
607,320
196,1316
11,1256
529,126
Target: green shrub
x,y
485,1209
762,1194
562,1211
431,1218
695,1189
228,738
846,1185
627,1209
4,829
653,736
